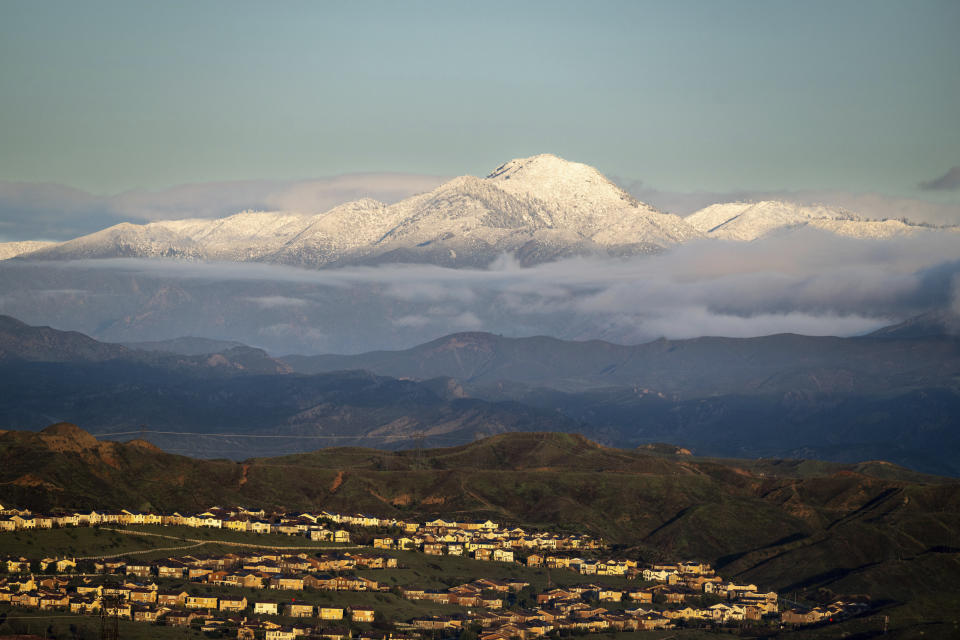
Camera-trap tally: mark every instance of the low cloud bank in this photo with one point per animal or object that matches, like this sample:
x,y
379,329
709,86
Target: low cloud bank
x,y
809,282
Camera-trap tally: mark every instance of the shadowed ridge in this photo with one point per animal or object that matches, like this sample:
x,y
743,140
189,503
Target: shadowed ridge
x,y
20,341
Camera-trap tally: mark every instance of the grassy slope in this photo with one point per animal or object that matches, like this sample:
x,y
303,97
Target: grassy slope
x,y
95,541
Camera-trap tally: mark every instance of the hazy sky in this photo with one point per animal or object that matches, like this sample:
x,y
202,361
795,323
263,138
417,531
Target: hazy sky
x,y
683,96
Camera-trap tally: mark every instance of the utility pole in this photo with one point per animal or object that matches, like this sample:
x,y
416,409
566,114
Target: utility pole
x,y
418,438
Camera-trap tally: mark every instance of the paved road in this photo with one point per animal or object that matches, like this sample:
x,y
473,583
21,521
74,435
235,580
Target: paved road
x,y
199,543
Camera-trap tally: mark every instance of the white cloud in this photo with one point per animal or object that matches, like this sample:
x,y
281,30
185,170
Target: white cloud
x,y
809,282
271,302
412,321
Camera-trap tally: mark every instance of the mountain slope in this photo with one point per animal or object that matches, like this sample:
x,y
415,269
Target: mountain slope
x,y
327,237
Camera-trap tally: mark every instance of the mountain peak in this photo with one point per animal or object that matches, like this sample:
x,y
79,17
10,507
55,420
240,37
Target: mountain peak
x,y
541,163
555,180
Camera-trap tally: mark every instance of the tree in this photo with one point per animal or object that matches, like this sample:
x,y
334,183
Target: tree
x,y
526,597
379,621
86,566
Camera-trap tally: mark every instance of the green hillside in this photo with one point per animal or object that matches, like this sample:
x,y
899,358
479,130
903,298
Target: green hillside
x,y
793,525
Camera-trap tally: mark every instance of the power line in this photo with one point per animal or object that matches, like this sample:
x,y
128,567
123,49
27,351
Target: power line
x,y
417,436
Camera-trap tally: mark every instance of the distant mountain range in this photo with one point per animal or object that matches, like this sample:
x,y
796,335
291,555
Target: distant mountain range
x,y
893,395
892,358
540,209
57,375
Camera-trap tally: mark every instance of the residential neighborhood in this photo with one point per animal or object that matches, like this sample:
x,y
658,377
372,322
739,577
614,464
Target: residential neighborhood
x,y
276,593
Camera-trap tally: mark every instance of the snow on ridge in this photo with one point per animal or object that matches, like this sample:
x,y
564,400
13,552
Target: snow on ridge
x,y
748,221
557,181
538,208
512,210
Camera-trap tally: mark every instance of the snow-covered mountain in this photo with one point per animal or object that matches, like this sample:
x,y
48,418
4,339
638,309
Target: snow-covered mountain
x,y
540,208
746,221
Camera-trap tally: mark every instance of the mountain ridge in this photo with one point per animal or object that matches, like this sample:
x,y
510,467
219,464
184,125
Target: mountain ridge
x,y
692,367
20,342
465,221
750,221
540,209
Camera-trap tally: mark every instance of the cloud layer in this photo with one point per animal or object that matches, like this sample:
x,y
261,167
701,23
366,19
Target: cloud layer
x,y
808,282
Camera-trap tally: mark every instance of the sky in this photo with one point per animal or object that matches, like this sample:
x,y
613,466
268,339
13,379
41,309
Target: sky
x,y
104,98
